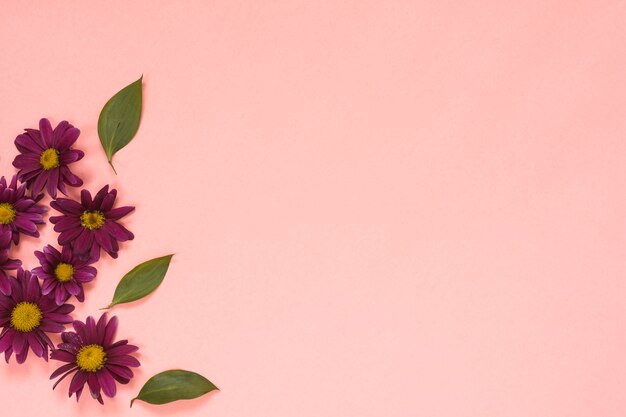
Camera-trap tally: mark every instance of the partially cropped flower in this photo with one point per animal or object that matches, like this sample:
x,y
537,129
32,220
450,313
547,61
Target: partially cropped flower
x,y
6,264
63,273
18,212
91,224
26,316
96,361
45,156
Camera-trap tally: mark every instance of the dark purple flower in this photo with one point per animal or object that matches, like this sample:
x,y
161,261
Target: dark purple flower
x,y
97,361
26,316
63,273
45,156
18,213
6,264
91,224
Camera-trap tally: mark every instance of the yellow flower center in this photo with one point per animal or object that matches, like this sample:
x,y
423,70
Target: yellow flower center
x,y
7,213
49,159
92,220
91,358
26,317
64,272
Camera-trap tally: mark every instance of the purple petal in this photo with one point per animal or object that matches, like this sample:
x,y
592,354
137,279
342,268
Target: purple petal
x,y
64,376
61,355
90,327
122,371
109,334
36,346
53,183
65,205
69,236
94,385
106,382
78,381
122,350
85,241
46,132
62,369
5,284
85,199
124,360
6,341
101,328
25,144
69,137
118,231
70,178
119,212
69,157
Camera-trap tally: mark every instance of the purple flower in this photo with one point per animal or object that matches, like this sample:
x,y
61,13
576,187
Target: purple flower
x,y
45,156
97,361
63,273
6,264
18,213
26,316
91,224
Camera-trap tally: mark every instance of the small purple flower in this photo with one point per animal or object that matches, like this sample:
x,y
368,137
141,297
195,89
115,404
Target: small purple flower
x,y
63,273
19,213
6,264
45,156
91,224
97,361
26,316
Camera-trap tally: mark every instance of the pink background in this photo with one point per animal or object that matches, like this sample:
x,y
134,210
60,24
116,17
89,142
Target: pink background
x,y
392,208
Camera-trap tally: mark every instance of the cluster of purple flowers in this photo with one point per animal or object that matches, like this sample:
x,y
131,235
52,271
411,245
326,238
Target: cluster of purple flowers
x,y
36,303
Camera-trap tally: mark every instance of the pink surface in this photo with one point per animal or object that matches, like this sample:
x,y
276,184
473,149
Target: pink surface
x,y
385,208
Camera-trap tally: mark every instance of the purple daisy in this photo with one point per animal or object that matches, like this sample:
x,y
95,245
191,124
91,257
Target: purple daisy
x,y
45,156
97,361
26,316
91,224
63,273
18,212
6,264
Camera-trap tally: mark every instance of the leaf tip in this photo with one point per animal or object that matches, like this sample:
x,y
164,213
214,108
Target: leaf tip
x,y
111,163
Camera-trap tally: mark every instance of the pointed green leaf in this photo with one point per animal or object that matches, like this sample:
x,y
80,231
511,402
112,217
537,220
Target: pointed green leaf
x,y
141,281
174,385
119,119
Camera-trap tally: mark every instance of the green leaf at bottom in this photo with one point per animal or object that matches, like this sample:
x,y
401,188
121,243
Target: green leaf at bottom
x,y
174,385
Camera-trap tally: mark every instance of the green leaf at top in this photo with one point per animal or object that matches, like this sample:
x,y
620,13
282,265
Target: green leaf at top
x,y
141,280
119,119
174,385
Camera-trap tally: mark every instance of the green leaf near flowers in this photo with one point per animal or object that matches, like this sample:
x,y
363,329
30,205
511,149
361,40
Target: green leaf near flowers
x,y
174,385
119,119
141,280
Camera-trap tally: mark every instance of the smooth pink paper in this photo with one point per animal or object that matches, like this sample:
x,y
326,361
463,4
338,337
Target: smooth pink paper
x,y
378,208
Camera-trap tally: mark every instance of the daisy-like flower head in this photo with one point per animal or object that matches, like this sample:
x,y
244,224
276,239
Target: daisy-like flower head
x,y
63,273
45,156
26,316
95,359
6,264
91,224
18,212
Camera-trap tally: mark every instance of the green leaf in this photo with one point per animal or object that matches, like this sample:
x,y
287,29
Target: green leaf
x,y
141,281
119,119
174,385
